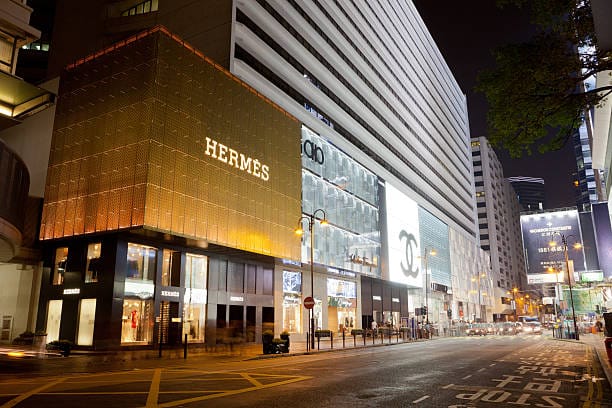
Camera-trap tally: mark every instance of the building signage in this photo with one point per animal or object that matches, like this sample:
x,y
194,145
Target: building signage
x,y
240,161
403,238
313,152
170,293
236,299
361,260
539,230
73,291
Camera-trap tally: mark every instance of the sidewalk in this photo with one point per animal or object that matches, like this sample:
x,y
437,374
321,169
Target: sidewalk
x,y
597,342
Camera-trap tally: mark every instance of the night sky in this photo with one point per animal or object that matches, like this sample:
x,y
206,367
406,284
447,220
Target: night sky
x,y
466,32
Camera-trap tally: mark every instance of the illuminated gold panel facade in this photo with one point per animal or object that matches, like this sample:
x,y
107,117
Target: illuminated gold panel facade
x,y
130,150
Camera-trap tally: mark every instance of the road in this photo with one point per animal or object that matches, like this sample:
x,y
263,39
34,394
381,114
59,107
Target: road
x,y
492,371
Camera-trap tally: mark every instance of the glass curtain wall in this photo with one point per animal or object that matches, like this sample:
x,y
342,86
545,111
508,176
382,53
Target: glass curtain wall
x,y
348,193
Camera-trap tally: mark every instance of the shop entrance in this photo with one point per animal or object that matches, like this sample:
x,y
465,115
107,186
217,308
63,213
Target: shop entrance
x,y
267,318
170,323
251,323
236,321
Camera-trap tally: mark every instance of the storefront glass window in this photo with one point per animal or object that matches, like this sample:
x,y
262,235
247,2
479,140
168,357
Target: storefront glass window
x,y
137,321
87,318
93,262
292,301
59,267
171,268
341,304
196,270
141,261
54,318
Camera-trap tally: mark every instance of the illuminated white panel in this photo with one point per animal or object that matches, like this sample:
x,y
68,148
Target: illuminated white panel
x,y
403,238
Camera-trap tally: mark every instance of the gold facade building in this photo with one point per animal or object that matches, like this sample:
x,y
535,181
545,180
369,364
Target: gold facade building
x,y
150,134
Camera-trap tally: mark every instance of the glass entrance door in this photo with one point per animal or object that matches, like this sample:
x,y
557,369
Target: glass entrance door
x,y
54,318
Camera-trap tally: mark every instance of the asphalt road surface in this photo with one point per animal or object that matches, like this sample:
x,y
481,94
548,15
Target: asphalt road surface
x,y
492,371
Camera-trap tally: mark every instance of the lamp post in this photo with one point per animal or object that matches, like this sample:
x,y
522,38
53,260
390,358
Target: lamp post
x,y
428,251
310,219
514,290
569,279
551,269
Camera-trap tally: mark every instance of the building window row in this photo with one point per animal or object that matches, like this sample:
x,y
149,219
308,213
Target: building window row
x,y
243,55
241,17
365,101
141,8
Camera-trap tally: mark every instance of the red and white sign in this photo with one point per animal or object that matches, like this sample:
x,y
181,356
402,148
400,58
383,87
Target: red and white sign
x,y
309,302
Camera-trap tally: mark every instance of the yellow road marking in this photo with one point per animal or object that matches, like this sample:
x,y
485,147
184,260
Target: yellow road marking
x,y
251,379
233,392
154,390
28,394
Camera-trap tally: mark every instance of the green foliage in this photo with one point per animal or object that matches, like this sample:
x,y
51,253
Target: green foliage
x,y
536,93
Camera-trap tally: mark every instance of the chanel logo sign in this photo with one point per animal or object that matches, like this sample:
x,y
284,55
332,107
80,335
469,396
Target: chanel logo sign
x,y
410,250
313,152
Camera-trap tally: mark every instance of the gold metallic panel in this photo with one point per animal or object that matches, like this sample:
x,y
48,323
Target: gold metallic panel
x,y
151,135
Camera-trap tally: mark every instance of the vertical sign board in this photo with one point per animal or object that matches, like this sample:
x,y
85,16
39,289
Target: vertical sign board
x,y
403,238
603,237
538,231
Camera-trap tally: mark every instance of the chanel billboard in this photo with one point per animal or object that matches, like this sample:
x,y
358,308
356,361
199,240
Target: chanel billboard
x,y
403,238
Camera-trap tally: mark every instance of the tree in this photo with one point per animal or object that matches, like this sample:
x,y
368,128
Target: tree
x,y
536,92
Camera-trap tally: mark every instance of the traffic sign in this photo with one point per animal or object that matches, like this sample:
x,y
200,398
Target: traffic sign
x,y
309,302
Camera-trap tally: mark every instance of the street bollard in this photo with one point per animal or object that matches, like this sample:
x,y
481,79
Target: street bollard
x,y
185,348
307,342
363,334
319,342
331,339
354,339
373,336
342,338
160,348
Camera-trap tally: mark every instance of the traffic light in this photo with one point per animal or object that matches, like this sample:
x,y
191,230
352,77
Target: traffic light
x,y
449,313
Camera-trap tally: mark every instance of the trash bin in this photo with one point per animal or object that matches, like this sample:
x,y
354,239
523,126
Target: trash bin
x,y
608,343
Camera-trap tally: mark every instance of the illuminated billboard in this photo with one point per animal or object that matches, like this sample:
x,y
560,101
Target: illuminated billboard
x,y
403,238
543,259
150,134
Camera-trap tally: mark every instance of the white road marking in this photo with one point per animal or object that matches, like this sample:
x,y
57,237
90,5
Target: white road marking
x,y
481,370
466,377
423,398
448,386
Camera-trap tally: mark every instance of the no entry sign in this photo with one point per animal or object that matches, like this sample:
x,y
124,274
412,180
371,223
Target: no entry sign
x,y
309,302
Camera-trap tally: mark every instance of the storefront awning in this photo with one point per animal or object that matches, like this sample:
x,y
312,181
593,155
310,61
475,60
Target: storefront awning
x,y
19,99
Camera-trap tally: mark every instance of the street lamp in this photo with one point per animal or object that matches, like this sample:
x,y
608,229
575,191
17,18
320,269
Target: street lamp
x,y
310,219
514,291
428,251
576,245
